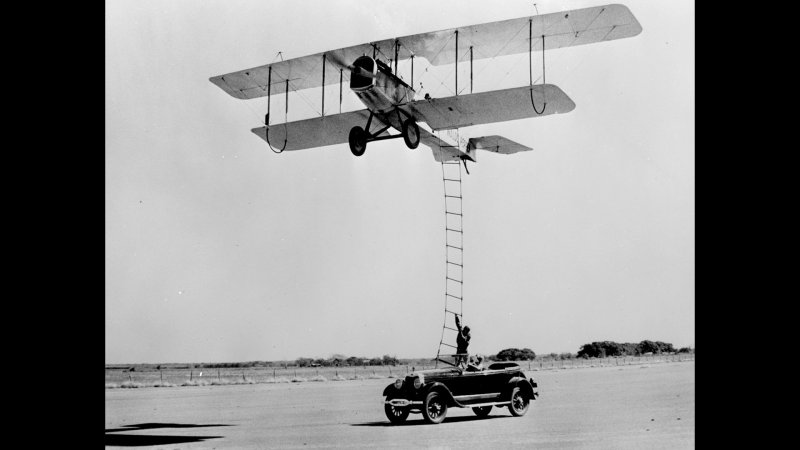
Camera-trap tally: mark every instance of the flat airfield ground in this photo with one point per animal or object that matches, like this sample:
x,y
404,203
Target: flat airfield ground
x,y
636,406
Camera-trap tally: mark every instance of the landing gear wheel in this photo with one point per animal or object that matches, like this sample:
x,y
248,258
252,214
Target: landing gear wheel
x,y
357,140
519,403
434,409
482,411
410,133
396,414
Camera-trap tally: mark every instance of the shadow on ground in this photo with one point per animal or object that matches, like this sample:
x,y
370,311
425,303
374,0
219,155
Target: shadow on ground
x,y
447,420
114,437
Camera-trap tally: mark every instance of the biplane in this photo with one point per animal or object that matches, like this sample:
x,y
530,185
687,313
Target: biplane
x,y
392,103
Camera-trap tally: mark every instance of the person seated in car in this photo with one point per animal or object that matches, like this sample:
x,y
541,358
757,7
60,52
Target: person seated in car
x,y
475,363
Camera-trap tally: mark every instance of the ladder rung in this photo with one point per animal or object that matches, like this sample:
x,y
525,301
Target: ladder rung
x,y
452,196
455,264
450,328
455,214
453,246
453,279
447,310
457,231
453,296
444,343
451,179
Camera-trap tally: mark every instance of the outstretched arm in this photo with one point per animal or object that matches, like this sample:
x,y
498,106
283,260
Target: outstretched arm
x,y
458,322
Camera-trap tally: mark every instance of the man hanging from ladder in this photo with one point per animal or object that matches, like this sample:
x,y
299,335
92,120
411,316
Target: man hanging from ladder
x,y
462,342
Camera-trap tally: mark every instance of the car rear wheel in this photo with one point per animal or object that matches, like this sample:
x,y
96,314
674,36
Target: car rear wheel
x,y
395,414
519,403
482,411
435,408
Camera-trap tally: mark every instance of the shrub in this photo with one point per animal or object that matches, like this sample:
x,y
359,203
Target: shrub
x,y
515,354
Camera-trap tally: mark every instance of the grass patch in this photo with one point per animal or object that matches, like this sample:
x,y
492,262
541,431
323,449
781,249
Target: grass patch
x,y
164,384
131,385
278,380
318,378
112,385
298,380
196,383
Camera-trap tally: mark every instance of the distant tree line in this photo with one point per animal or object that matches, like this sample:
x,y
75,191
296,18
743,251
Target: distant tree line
x,y
610,348
340,360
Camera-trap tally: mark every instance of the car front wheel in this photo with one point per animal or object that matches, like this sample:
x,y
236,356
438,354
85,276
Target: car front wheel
x,y
435,408
395,414
519,403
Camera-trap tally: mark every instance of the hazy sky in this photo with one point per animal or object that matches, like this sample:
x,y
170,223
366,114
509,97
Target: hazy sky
x,y
219,250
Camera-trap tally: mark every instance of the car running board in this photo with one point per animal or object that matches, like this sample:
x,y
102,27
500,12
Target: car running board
x,y
480,405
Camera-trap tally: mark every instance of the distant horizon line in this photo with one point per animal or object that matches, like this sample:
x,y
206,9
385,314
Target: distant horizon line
x,y
310,357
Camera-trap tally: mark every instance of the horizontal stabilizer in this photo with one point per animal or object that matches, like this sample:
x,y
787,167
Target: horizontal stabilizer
x,y
490,107
497,144
316,132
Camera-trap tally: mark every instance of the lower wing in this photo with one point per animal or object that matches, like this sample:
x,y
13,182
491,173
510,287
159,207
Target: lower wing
x,y
489,107
316,132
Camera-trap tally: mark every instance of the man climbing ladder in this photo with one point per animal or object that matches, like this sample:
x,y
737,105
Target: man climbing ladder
x,y
462,342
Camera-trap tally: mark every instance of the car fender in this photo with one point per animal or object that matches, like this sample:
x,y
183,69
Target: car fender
x,y
442,389
523,384
389,389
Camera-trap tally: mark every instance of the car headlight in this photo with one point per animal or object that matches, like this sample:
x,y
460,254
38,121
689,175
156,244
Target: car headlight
x,y
398,383
418,382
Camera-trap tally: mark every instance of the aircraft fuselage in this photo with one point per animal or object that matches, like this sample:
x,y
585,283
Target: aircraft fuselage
x,y
377,87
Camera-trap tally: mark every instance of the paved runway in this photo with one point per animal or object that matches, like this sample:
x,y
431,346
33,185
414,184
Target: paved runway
x,y
647,406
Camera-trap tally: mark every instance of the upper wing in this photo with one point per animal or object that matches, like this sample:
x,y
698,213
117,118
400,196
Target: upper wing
x,y
487,40
303,73
489,107
315,132
507,37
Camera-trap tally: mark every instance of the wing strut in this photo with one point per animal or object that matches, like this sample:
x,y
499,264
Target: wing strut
x,y
530,66
285,120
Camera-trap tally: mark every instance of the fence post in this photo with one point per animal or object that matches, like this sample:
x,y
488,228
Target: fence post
x,y
191,374
130,377
273,373
218,374
162,375
243,375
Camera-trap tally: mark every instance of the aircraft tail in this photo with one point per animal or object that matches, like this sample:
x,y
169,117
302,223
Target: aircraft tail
x,y
495,144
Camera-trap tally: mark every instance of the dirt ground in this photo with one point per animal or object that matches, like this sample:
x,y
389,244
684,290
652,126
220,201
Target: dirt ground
x,y
639,406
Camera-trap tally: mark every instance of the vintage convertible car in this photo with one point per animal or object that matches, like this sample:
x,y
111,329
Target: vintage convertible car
x,y
431,392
